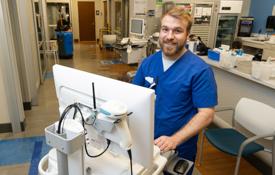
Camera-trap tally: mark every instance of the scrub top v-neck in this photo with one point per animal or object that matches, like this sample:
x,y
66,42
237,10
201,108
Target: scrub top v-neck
x,y
184,87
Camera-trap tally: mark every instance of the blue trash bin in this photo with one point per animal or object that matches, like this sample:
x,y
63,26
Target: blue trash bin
x,y
65,44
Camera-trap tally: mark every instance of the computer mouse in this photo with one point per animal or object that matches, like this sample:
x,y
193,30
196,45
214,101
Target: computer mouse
x,y
181,167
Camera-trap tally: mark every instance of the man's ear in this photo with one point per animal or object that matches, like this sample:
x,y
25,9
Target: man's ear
x,y
188,35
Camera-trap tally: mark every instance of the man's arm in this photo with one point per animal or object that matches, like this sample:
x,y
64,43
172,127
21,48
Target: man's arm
x,y
203,118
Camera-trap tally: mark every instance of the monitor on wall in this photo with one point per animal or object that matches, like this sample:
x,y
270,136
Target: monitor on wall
x,y
137,26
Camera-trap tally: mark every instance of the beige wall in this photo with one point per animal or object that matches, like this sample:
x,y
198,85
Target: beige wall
x,y
30,79
98,18
34,54
11,99
4,117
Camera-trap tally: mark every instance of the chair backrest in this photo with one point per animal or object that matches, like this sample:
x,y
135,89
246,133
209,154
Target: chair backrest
x,y
255,116
51,45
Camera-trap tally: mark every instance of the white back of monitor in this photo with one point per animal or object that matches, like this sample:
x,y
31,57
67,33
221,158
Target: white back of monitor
x,y
139,100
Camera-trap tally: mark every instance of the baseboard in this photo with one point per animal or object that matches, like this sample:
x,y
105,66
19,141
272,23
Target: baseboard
x,y
6,127
27,106
259,165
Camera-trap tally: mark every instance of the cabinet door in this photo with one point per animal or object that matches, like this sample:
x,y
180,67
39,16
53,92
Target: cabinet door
x,y
226,30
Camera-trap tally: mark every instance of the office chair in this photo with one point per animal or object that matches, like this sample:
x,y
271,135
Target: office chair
x,y
255,117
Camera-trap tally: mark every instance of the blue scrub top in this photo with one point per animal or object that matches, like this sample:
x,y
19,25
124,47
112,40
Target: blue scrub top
x,y
187,85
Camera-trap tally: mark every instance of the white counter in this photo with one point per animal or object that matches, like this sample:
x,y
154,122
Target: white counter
x,y
237,71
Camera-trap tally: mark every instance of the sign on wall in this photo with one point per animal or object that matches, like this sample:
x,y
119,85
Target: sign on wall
x,y
140,7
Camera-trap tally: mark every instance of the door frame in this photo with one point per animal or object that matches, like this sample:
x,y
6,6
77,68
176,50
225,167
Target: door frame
x,y
40,44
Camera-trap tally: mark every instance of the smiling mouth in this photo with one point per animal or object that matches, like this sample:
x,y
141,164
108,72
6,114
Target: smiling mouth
x,y
169,45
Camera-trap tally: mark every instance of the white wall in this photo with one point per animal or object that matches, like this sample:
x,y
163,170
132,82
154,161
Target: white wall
x,y
27,56
34,54
11,99
246,7
99,23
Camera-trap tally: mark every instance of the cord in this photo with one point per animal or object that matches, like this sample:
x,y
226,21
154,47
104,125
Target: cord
x,y
75,111
108,144
131,160
85,144
63,116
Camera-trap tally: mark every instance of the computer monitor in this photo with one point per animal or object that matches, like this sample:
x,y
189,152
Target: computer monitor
x,y
137,26
73,85
270,23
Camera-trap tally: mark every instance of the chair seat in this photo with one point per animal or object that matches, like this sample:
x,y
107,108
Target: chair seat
x,y
229,141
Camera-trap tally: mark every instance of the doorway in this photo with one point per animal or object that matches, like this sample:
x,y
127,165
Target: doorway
x,y
86,18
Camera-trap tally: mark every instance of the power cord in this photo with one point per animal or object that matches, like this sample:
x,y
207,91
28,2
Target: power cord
x,y
131,160
77,109
63,116
92,156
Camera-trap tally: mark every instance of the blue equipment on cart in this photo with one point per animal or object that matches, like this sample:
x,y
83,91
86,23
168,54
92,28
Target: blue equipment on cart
x,y
65,44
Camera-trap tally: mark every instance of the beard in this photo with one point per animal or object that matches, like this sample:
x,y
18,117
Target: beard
x,y
171,49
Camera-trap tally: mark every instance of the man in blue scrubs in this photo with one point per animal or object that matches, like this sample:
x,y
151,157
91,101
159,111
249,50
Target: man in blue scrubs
x,y
185,87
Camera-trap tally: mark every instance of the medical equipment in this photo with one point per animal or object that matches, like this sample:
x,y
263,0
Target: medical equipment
x,y
270,23
132,50
134,42
109,121
109,39
245,26
137,26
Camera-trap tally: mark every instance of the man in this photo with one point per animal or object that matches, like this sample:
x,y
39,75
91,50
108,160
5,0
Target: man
x,y
62,24
184,84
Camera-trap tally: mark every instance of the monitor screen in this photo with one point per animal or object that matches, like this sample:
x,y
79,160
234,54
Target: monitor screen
x,y
270,22
137,26
73,85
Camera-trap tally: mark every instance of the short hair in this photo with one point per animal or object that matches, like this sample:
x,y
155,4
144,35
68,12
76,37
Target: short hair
x,y
182,14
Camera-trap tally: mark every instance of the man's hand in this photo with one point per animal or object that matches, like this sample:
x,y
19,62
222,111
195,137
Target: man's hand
x,y
166,143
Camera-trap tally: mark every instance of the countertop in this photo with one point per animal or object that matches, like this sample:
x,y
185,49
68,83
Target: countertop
x,y
256,41
239,71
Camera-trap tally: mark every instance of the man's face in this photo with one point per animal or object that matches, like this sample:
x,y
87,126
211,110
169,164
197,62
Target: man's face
x,y
173,36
